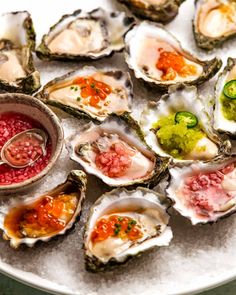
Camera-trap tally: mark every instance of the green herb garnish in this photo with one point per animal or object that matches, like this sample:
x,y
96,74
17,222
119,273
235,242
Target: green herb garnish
x,y
130,224
117,229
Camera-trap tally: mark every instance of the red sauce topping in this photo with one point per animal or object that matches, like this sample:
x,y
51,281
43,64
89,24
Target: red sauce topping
x,y
116,226
10,125
93,89
24,150
41,218
116,161
172,64
202,189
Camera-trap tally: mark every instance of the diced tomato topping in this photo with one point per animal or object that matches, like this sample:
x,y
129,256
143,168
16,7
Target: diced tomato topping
x,y
115,162
204,191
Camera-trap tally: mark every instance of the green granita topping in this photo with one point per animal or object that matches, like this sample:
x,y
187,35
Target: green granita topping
x,y
228,107
176,138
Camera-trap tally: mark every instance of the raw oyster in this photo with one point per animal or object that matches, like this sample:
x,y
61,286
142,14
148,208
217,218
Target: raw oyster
x,y
204,192
17,39
150,50
214,22
162,11
83,35
225,107
90,93
178,126
24,221
115,152
137,221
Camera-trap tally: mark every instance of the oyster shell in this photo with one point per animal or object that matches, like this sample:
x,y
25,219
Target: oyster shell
x,y
162,11
17,40
115,152
224,112
214,22
66,93
150,50
83,35
23,223
181,147
141,224
204,192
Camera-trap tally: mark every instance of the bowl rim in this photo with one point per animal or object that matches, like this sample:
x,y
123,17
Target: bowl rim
x,y
24,99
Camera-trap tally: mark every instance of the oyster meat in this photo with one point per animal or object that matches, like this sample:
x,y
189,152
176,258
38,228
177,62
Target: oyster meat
x,y
225,103
115,152
157,58
162,11
83,35
90,93
204,192
44,217
136,221
17,40
179,126
214,22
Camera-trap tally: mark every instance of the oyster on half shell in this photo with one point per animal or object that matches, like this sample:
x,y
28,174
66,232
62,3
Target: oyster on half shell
x,y
137,221
157,58
162,11
179,126
85,35
17,40
115,152
90,93
26,221
214,22
225,107
204,192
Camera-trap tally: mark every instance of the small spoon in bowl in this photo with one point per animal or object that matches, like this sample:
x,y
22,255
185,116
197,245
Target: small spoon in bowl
x,y
24,149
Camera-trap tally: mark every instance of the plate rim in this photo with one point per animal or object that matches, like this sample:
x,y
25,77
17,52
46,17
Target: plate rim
x,y
214,283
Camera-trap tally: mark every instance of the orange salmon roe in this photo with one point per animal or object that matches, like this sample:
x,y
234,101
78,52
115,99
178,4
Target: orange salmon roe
x,y
42,216
172,63
94,89
116,226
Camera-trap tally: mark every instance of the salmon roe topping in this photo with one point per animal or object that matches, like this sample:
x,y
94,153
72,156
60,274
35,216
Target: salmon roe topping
x,y
45,214
116,161
10,125
172,64
93,89
116,226
41,218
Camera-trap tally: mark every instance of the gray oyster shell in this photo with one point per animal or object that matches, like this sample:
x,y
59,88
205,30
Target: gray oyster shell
x,y
75,185
162,12
190,207
140,57
16,52
211,37
110,30
141,202
221,123
146,169
120,98
184,98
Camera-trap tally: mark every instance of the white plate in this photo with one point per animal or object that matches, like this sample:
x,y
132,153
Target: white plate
x,y
198,258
